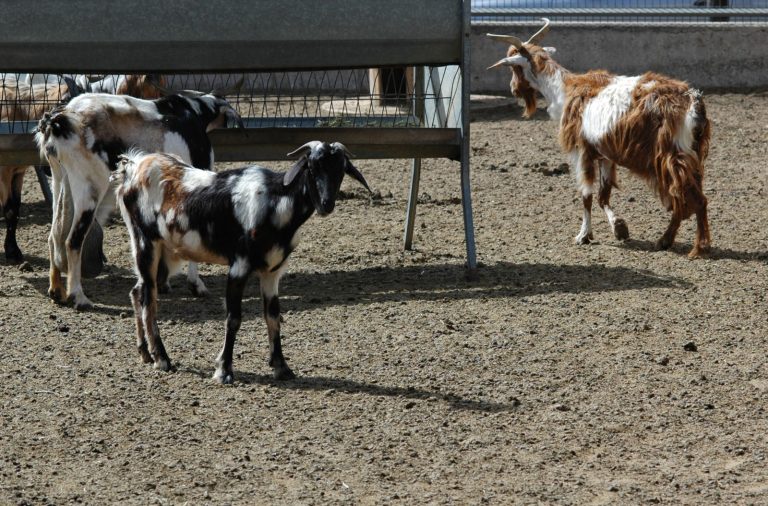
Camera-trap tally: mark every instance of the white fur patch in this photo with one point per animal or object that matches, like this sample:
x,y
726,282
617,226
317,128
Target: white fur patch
x,y
249,198
183,221
684,135
603,112
174,144
283,212
192,241
119,104
194,179
90,139
239,268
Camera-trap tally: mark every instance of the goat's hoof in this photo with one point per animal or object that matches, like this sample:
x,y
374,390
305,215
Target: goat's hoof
x,y
223,377
80,302
698,252
198,289
163,364
56,294
145,356
584,239
283,373
13,255
620,230
663,244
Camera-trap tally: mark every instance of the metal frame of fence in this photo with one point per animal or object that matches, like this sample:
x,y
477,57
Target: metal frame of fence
x,y
307,72
621,12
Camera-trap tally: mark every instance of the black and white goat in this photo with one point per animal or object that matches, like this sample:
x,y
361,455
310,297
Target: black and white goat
x,y
82,142
245,218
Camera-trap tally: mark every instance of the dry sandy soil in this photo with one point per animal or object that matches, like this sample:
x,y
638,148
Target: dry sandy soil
x,y
560,375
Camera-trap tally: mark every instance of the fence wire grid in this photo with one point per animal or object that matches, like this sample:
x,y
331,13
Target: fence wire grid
x,y
386,97
700,12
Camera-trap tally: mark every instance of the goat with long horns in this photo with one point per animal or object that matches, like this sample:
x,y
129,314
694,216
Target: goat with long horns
x,y
653,125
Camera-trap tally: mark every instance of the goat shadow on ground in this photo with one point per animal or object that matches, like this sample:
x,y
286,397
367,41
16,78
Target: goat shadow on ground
x,y
324,384
684,248
301,291
429,282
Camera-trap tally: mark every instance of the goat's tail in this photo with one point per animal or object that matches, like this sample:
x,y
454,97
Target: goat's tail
x,y
681,148
126,166
702,131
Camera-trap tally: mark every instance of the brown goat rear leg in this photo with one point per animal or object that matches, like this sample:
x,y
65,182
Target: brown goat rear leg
x,y
585,234
607,182
147,260
55,284
702,245
666,240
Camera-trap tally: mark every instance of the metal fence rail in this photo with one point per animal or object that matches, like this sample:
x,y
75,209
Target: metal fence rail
x,y
622,11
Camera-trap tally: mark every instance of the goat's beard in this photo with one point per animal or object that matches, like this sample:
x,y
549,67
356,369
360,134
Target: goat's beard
x,y
522,89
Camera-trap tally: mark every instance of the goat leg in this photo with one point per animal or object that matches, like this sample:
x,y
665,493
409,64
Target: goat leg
x,y
141,342
235,286
269,288
11,208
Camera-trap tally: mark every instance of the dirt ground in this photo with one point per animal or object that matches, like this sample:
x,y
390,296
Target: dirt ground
x,y
563,374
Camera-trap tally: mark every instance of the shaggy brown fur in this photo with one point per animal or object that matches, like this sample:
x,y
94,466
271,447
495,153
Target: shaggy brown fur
x,y
645,139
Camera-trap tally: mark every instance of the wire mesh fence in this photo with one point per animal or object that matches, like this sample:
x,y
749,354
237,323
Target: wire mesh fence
x,y
382,97
742,12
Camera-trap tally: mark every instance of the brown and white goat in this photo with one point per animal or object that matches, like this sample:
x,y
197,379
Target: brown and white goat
x,y
653,125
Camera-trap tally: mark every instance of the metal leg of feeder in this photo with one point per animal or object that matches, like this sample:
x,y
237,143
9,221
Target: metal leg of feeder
x,y
410,217
44,185
466,194
466,204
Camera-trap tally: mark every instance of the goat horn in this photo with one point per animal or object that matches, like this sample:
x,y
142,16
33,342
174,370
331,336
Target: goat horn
x,y
341,146
222,92
536,37
306,147
509,39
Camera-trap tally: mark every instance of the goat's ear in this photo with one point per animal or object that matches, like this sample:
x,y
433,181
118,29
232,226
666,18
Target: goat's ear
x,y
352,171
232,115
294,171
72,87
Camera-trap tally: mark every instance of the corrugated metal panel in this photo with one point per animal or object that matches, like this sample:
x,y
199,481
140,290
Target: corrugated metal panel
x,y
226,35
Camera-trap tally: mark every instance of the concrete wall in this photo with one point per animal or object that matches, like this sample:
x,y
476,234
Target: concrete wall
x,y
707,57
